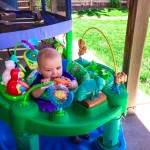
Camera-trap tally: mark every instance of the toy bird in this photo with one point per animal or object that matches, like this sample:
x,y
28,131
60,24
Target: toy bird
x,y
15,85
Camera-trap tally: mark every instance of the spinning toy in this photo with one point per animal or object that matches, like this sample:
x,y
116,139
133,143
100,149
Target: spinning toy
x,y
61,99
59,95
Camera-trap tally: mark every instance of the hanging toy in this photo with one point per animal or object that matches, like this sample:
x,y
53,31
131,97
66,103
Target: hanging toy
x,y
82,47
15,85
9,64
30,56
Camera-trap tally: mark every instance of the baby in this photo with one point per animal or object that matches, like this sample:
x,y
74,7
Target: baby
x,y
50,67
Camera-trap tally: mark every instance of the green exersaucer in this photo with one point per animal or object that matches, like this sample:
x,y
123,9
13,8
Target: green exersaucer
x,y
22,114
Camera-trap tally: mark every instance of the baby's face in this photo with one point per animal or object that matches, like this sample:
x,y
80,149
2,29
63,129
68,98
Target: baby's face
x,y
51,68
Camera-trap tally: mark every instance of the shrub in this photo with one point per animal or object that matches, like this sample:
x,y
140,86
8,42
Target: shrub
x,y
114,3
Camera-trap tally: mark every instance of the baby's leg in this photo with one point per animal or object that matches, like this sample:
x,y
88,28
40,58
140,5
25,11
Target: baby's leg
x,y
77,140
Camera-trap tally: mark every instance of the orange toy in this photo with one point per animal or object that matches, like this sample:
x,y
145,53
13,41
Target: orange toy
x,y
62,81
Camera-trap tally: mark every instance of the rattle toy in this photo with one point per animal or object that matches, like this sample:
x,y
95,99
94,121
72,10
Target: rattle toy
x,y
62,81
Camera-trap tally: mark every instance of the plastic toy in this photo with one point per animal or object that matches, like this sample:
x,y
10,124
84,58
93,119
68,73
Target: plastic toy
x,y
59,95
82,47
9,64
62,81
120,78
90,88
15,85
60,98
95,69
30,55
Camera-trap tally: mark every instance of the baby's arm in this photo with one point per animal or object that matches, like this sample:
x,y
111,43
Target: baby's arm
x,y
39,91
73,82
73,85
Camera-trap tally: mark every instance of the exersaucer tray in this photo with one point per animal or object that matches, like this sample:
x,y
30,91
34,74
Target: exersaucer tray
x,y
77,119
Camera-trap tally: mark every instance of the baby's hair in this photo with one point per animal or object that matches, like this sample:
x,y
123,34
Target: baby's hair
x,y
47,53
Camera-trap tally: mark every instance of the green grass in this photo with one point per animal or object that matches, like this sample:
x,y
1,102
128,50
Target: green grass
x,y
115,30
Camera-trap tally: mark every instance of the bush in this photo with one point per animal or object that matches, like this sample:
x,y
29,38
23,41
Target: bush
x,y
114,3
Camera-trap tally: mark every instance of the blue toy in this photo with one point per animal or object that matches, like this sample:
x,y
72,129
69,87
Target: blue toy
x,y
89,88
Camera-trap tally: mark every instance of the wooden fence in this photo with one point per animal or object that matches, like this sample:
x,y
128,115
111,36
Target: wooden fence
x,y
95,2
25,4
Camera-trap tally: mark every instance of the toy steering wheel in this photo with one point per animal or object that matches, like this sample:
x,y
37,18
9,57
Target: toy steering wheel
x,y
66,100
59,95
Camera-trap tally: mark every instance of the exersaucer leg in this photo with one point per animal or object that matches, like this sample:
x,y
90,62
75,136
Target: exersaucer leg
x,y
110,138
28,142
68,53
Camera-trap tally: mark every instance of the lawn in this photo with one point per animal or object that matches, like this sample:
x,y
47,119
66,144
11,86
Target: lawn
x,y
112,22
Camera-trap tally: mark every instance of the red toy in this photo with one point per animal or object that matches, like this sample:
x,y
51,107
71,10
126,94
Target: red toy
x,y
62,81
15,85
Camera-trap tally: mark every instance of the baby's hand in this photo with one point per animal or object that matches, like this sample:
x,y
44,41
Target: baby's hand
x,y
73,85
45,81
67,82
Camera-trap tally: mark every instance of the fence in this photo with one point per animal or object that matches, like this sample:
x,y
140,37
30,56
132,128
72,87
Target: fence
x,y
100,3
